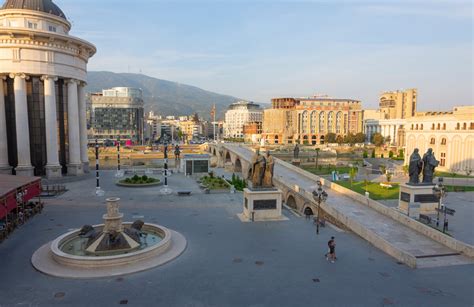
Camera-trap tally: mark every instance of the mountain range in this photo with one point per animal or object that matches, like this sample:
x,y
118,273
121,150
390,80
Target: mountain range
x,y
162,96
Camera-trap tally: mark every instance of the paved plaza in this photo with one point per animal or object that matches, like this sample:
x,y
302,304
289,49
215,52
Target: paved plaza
x,y
226,263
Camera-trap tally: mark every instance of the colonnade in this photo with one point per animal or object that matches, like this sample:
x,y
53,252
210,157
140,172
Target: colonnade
x,y
386,130
76,123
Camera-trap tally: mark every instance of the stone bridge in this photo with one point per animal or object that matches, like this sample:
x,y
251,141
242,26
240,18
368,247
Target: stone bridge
x,y
405,239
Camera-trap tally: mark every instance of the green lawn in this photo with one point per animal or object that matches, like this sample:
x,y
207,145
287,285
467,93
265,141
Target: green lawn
x,y
377,192
374,188
324,170
451,175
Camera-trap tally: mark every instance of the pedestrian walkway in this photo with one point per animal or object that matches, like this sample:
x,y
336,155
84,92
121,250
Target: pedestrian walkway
x,y
397,234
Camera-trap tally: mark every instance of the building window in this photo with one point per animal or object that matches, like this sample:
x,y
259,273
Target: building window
x,y
458,126
330,121
443,141
444,126
433,127
464,126
52,29
443,159
32,25
439,126
411,126
433,141
321,122
416,126
421,127
339,122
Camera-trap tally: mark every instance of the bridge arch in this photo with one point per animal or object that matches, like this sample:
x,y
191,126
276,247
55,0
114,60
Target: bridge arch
x,y
291,201
228,157
214,152
238,166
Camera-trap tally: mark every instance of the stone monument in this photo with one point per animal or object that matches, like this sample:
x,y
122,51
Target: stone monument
x,y
262,201
417,197
296,156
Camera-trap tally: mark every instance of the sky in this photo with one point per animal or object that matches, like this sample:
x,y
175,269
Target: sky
x,y
260,49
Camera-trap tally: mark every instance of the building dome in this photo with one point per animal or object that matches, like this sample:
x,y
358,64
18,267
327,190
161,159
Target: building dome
x,y
46,6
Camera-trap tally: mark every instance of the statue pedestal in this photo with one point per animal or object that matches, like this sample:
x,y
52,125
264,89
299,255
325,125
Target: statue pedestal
x,y
417,199
262,205
296,162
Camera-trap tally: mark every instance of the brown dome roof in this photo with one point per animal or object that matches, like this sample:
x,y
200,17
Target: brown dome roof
x,y
46,6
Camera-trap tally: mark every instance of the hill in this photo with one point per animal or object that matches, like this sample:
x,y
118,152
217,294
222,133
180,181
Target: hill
x,y
162,96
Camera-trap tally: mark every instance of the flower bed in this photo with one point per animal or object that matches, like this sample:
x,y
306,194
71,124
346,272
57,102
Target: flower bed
x,y
139,181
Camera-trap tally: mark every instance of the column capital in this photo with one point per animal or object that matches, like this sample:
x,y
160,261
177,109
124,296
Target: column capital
x,y
21,75
46,77
72,81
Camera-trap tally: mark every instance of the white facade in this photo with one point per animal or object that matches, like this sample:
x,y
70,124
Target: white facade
x,y
239,114
388,128
39,64
449,134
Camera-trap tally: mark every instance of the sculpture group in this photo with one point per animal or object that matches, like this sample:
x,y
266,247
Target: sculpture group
x,y
425,165
261,174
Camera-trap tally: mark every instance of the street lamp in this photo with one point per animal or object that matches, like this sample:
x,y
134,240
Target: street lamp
x,y
319,195
439,191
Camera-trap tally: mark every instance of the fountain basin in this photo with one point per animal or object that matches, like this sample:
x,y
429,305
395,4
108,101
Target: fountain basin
x,y
93,261
51,260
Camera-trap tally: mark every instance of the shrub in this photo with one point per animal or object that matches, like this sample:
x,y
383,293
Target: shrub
x,y
135,178
365,154
145,178
401,153
381,156
390,154
373,154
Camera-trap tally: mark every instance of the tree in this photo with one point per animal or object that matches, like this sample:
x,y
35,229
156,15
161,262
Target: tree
x,y
359,137
317,156
331,138
365,154
373,154
350,139
352,174
377,139
390,154
401,153
339,139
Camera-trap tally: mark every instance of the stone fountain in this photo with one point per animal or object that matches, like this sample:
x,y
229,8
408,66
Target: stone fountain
x,y
109,249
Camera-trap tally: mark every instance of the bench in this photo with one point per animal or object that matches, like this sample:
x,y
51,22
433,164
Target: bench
x,y
184,193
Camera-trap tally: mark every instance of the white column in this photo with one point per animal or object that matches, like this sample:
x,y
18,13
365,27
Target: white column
x,y
4,165
75,165
83,126
24,167
53,169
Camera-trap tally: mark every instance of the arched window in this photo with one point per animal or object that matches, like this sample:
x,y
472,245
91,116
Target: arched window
x,y
443,141
433,127
321,122
313,121
330,121
458,126
439,126
412,126
276,139
444,126
321,139
471,126
304,122
421,127
313,140
464,126
338,122
433,141
416,126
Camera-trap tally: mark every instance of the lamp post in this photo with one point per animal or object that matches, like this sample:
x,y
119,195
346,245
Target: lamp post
x,y
98,190
439,191
166,190
319,195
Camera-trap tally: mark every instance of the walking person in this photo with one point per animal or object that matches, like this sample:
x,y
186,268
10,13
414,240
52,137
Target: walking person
x,y
331,255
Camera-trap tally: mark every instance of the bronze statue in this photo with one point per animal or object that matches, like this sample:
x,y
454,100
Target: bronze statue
x,y
415,167
429,165
258,170
296,152
177,152
135,230
269,166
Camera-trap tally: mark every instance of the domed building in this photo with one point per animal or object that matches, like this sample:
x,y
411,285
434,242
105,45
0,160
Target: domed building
x,y
43,71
